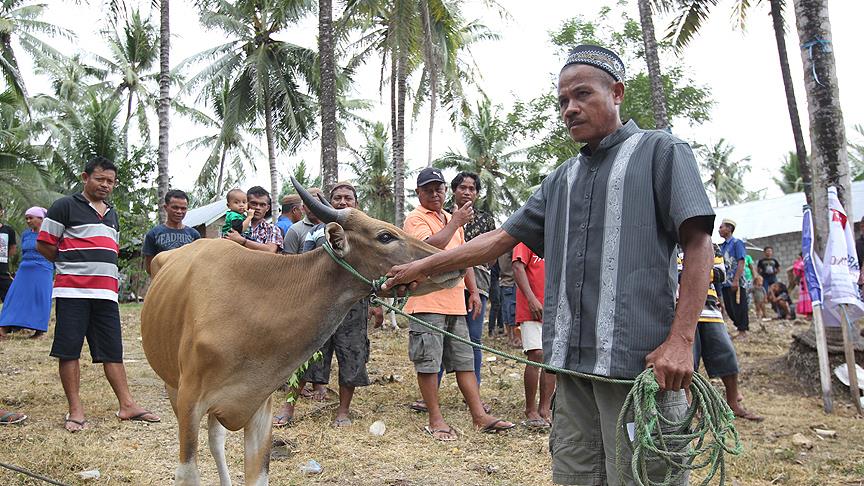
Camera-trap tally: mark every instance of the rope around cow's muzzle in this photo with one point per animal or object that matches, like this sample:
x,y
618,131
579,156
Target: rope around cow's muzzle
x,y
699,440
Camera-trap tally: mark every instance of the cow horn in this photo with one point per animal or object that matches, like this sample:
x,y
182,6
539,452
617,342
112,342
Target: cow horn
x,y
324,211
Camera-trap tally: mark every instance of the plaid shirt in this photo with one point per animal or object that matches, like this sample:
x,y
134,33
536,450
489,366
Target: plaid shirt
x,y
265,232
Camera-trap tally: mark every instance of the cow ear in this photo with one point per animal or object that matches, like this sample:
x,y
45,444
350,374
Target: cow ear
x,y
337,238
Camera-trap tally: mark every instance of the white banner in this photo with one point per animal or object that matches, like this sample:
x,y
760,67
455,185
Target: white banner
x,y
840,267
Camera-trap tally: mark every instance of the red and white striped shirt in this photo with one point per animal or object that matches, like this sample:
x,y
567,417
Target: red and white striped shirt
x,y
87,248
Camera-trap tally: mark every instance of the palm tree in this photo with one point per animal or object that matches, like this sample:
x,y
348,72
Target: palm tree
x,y
692,13
327,95
374,179
725,176
652,58
486,142
446,40
164,110
19,21
266,73
827,132
24,176
790,180
230,152
134,52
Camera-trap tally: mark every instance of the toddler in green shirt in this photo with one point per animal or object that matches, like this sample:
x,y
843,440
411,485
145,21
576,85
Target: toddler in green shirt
x,y
237,217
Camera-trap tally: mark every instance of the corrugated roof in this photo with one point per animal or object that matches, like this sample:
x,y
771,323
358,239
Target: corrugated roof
x,y
205,214
778,216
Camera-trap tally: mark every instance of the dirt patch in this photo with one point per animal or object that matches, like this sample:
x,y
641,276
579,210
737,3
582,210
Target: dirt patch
x,y
140,454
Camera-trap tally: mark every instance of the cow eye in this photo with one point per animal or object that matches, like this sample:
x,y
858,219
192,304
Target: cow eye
x,y
386,238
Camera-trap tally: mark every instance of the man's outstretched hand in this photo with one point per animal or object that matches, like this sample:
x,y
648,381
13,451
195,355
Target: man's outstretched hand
x,y
404,278
672,363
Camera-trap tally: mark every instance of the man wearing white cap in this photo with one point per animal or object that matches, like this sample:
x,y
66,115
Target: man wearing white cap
x,y
734,296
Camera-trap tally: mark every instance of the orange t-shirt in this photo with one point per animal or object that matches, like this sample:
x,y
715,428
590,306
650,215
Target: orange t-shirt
x,y
421,224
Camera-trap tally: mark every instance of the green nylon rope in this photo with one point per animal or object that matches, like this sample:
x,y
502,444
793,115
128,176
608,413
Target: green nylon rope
x,y
697,441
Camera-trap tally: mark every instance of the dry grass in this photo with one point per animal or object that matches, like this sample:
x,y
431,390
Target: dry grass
x,y
146,454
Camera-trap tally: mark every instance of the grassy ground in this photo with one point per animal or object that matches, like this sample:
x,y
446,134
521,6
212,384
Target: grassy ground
x,y
146,454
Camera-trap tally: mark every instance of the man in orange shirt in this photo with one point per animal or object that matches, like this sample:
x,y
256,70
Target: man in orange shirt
x,y
529,272
445,309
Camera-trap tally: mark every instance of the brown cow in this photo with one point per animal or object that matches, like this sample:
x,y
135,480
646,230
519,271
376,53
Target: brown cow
x,y
222,357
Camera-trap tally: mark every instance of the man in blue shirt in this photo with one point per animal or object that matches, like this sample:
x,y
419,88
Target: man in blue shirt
x,y
734,296
291,212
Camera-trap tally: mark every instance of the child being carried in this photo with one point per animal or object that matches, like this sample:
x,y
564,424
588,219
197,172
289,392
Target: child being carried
x,y
238,217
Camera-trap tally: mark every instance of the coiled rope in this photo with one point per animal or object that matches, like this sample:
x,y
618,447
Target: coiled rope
x,y
699,440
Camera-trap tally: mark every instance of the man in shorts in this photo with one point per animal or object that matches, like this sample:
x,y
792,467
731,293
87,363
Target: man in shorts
x,y
445,309
529,271
81,236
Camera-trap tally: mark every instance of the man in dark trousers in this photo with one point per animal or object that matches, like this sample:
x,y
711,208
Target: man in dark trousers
x,y
734,293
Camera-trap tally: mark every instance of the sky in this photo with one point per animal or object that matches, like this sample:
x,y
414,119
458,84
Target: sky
x,y
740,68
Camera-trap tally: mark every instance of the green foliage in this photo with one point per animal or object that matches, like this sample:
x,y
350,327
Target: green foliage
x,y
855,152
294,379
487,142
374,177
724,176
790,178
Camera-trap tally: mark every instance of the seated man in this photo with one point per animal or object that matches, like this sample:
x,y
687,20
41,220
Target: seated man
x,y
445,309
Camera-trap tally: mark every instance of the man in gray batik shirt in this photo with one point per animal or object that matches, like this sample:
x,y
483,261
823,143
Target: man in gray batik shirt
x,y
607,223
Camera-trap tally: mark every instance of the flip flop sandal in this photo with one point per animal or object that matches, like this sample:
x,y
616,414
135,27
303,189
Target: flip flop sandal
x,y
81,423
138,418
494,428
536,424
419,406
11,418
450,437
749,416
342,422
280,421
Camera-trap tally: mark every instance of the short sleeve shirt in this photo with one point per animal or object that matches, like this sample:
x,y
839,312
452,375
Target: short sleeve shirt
x,y
87,247
266,232
295,236
162,238
535,268
768,266
748,273
421,224
607,224
7,241
505,270
733,251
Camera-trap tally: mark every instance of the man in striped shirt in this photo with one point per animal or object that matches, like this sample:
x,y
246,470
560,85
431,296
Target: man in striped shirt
x,y
81,236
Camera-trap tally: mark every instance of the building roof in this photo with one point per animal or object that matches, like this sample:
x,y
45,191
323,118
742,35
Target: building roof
x,y
778,216
205,214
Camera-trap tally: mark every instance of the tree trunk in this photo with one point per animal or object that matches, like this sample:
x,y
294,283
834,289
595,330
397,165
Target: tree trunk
x,y
431,54
827,133
162,179
329,160
791,103
219,180
126,125
271,150
399,139
652,58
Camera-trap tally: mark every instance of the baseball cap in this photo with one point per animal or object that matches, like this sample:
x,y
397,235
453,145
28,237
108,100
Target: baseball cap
x,y
429,174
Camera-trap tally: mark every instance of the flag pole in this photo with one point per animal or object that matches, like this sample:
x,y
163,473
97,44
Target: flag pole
x,y
822,353
849,351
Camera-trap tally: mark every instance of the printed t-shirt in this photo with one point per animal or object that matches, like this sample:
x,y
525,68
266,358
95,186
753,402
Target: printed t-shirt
x,y
162,238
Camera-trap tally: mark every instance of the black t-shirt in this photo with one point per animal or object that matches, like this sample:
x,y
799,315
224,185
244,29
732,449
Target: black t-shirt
x,y
768,266
7,240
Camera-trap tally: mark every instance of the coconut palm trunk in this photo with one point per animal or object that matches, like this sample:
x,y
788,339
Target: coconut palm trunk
x,y
329,154
271,149
399,139
218,188
791,103
652,58
827,134
162,179
429,52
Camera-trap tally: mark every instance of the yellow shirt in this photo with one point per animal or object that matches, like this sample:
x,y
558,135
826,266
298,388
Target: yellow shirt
x,y
421,224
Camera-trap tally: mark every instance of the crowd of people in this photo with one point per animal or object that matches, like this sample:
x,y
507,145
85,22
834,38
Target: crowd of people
x,y
608,222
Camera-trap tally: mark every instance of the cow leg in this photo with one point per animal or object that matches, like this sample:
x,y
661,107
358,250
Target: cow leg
x,y
172,397
257,443
189,412
216,433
